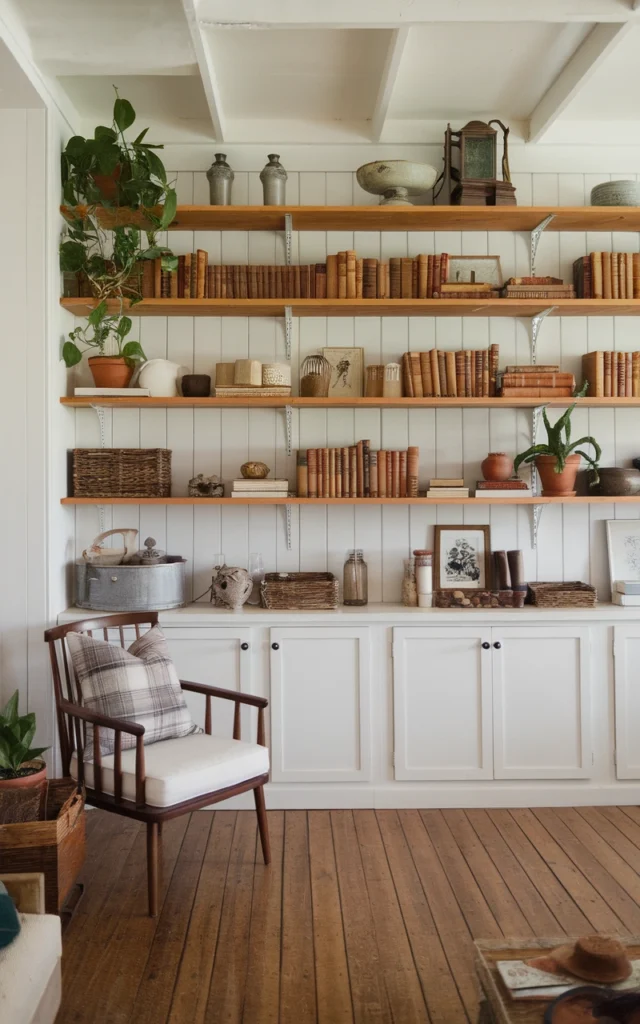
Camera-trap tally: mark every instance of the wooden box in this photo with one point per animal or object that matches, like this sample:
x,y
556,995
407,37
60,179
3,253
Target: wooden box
x,y
55,847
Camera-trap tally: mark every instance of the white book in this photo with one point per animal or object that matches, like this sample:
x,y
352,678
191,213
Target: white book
x,y
259,494
627,586
626,600
506,493
112,392
448,492
260,485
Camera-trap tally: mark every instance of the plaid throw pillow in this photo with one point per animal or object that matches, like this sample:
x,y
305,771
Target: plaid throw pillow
x,y
139,685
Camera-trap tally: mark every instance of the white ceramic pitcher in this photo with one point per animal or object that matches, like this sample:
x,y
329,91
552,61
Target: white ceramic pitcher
x,y
161,377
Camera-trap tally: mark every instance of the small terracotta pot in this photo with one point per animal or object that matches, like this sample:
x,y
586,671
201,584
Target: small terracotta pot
x,y
110,371
558,485
497,466
108,183
26,780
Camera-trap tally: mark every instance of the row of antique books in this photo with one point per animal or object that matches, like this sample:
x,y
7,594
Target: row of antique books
x,y
359,472
471,373
607,275
612,374
540,381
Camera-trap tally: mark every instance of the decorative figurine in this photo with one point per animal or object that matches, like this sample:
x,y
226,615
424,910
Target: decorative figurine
x,y
473,180
231,586
202,486
220,178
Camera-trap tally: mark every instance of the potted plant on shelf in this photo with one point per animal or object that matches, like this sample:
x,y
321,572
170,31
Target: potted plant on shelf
x,y
20,763
101,329
558,460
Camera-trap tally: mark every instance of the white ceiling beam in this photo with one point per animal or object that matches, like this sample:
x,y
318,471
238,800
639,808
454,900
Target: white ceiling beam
x,y
595,49
393,13
207,71
387,81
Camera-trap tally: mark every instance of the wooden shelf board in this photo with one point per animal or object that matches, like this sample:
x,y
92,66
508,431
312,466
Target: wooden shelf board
x,y
85,401
391,218
365,307
226,502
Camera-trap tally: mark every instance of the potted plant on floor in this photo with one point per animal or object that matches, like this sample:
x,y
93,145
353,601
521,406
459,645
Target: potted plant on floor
x,y
101,328
20,763
558,460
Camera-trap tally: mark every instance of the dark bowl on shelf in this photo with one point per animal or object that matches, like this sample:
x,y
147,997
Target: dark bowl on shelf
x,y
618,482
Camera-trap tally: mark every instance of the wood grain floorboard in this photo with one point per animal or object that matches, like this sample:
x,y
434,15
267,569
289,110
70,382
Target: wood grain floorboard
x,y
363,917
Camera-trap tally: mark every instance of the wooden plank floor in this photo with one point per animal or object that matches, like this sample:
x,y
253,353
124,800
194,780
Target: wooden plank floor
x,y
363,916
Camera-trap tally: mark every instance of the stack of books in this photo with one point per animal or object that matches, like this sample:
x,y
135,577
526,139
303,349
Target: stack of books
x,y
537,288
626,593
438,374
447,487
537,382
359,472
260,488
514,488
607,275
612,374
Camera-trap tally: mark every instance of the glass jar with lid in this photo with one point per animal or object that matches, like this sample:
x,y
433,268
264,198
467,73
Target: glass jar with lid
x,y
355,579
409,588
424,576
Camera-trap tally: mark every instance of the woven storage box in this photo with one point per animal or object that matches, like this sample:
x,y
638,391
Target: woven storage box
x,y
55,847
290,590
479,598
563,595
121,473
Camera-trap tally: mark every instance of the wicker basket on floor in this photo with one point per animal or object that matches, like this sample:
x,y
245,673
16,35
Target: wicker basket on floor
x,y
121,473
287,591
572,594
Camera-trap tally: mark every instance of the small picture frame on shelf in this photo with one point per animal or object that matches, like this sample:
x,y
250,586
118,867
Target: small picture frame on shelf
x,y
347,372
462,557
475,270
623,546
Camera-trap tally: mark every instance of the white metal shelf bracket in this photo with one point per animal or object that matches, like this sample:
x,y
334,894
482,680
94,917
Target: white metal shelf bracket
x,y
99,411
536,516
288,231
288,331
535,237
536,324
287,513
288,412
536,510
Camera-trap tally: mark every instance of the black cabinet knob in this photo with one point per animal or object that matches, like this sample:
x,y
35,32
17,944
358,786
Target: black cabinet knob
x,y
244,647
486,645
497,645
275,647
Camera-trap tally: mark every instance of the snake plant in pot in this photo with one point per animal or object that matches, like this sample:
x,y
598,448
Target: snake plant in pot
x,y
20,763
558,460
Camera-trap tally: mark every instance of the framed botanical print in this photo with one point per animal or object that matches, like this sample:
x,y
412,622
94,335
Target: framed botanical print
x,y
623,544
347,372
462,557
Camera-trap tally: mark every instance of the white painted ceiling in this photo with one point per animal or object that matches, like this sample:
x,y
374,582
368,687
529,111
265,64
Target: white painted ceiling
x,y
314,71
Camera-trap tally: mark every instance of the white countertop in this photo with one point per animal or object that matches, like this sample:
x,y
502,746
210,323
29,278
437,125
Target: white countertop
x,y
203,614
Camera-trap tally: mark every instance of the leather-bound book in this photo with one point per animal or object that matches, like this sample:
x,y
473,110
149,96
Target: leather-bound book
x,y
346,474
444,268
460,388
271,282
395,277
369,279
425,373
201,272
413,468
382,473
338,472
244,282
442,374
351,274
366,469
332,277
342,275
406,278
407,379
593,372
494,357
596,274
435,373
210,290
636,274
537,392
359,278
452,383
373,474
622,374
606,275
414,278
353,471
422,276
437,263
297,282
304,282
253,282
486,374
173,284
312,281
608,376
622,274
539,380
468,374
193,287
228,270
629,375
382,282
395,474
402,474
578,277
629,261
279,279
165,290
389,475
332,473
416,374
312,472
359,470
321,280
430,266
148,277
615,276
635,374
326,474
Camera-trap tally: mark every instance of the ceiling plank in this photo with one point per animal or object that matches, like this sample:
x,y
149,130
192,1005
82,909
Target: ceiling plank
x,y
598,45
387,81
207,71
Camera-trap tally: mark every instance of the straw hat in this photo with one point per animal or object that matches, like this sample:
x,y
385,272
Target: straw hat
x,y
594,958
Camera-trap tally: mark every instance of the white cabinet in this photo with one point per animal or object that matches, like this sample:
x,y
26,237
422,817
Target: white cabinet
x,y
482,703
442,703
216,657
626,650
541,702
320,693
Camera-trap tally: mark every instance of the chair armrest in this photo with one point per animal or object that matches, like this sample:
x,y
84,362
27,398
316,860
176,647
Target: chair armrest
x,y
217,691
95,718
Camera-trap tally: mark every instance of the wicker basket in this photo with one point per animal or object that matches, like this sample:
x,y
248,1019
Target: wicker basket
x,y
563,595
55,847
469,598
287,591
121,473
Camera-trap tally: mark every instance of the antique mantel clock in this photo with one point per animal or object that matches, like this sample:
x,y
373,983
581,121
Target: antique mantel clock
x,y
470,176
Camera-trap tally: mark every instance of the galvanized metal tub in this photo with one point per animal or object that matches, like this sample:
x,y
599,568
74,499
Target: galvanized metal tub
x,y
131,588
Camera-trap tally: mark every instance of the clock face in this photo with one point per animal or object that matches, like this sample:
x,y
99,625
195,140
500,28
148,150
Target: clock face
x,y
479,159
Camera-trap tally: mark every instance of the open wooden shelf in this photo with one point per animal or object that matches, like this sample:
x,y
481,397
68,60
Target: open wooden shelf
x,y
390,218
227,502
364,307
86,401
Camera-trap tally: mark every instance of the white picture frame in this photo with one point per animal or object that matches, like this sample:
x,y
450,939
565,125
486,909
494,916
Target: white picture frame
x,y
347,372
623,548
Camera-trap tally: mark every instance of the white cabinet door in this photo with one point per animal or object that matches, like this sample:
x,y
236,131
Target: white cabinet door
x,y
442,703
541,702
215,657
626,650
320,690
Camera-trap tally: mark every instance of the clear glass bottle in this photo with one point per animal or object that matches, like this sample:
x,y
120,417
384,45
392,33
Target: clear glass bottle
x,y
256,572
409,588
355,581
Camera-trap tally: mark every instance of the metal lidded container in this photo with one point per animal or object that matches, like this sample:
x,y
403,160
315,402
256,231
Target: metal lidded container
x,y
131,588
274,179
220,178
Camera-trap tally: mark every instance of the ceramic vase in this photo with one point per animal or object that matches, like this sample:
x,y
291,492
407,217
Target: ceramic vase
x,y
110,371
232,586
497,466
161,377
558,485
220,178
274,179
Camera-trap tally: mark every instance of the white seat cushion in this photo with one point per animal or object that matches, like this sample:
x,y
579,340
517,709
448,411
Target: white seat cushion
x,y
26,967
184,768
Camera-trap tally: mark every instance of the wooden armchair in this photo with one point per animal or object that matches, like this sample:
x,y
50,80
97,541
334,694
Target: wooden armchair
x,y
121,783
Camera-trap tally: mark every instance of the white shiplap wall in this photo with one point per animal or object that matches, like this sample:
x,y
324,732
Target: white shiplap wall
x,y
571,541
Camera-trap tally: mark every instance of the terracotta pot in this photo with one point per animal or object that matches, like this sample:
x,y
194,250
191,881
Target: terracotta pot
x,y
27,780
110,371
497,466
558,485
108,183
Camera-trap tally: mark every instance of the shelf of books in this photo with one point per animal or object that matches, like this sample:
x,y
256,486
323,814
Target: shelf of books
x,y
292,500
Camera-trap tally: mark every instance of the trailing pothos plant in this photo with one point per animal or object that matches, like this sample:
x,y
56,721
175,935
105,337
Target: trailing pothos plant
x,y
561,446
102,330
